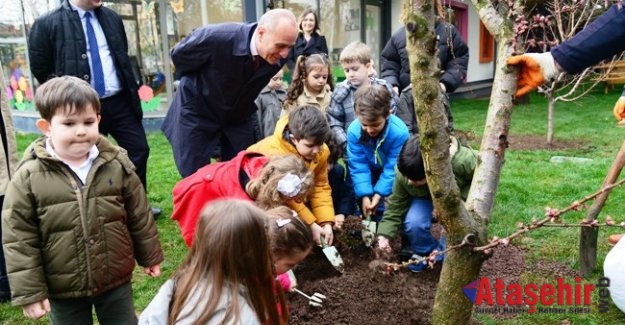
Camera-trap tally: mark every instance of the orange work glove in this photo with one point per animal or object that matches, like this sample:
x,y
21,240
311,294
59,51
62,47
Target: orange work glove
x,y
534,70
619,108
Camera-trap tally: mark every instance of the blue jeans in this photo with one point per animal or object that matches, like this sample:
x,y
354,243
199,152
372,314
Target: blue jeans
x,y
417,226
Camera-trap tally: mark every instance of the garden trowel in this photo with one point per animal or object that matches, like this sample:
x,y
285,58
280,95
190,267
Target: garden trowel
x,y
333,255
369,228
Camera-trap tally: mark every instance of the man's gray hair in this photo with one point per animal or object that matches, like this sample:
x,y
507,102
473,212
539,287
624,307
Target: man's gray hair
x,y
272,17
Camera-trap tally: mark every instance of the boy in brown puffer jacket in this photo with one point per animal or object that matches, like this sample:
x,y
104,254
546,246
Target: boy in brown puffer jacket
x,y
75,216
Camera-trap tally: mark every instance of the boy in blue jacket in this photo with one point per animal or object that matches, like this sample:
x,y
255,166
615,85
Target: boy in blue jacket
x,y
374,140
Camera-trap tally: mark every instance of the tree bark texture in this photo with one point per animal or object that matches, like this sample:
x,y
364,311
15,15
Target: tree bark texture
x,y
551,107
495,140
461,266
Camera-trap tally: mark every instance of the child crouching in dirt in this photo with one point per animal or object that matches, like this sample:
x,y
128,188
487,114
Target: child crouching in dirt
x,y
281,180
374,141
343,198
228,276
410,205
303,133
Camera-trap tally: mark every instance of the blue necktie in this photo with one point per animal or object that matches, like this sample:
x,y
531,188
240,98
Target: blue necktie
x,y
96,63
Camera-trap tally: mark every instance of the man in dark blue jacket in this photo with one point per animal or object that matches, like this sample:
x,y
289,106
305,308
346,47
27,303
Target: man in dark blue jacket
x,y
223,68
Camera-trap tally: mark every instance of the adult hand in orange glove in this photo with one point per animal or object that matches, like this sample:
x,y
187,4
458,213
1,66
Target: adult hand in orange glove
x,y
619,108
534,70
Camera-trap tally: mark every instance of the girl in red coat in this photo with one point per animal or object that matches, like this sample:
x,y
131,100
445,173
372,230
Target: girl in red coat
x,y
281,180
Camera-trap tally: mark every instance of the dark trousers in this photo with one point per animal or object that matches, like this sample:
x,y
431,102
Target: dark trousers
x,y
203,140
113,307
120,121
5,292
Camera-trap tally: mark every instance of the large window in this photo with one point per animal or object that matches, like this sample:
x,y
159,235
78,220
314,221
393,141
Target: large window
x,y
15,19
190,14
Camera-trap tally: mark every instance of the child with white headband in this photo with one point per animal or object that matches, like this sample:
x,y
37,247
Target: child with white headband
x,y
303,133
281,180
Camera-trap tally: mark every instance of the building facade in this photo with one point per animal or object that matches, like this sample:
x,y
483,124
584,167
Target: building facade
x,y
154,26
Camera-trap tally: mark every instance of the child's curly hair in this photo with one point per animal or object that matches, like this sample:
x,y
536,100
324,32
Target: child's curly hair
x,y
264,188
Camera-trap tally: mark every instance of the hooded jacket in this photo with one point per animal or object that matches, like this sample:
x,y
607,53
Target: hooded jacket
x,y
209,183
269,103
368,156
63,239
453,55
321,197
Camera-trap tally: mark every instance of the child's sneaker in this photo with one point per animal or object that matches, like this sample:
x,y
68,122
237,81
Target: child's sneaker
x,y
417,267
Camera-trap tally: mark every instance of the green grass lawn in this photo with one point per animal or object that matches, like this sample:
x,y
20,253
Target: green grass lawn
x,y
529,183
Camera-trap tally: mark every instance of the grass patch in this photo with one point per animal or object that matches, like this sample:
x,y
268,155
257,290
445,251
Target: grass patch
x,y
529,183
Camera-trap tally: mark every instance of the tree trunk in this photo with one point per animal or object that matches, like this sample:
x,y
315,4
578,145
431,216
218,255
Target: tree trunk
x,y
461,266
588,236
550,110
451,306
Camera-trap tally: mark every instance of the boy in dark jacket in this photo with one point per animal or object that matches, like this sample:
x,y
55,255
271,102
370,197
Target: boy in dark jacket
x,y
269,103
410,206
357,62
343,197
76,216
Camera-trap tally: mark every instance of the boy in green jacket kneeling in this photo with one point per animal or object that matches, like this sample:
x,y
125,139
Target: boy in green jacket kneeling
x,y
410,204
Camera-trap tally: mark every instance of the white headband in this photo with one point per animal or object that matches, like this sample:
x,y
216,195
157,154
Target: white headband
x,y
290,185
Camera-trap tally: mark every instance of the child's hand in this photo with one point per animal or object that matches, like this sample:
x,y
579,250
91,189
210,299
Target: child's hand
x,y
316,231
384,244
339,219
287,281
366,206
328,234
37,309
153,271
375,200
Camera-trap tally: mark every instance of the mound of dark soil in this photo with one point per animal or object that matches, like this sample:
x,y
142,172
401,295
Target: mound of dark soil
x,y
364,295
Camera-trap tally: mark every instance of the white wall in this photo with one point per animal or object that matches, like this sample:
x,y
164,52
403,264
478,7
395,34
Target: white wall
x,y
476,71
395,14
